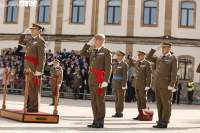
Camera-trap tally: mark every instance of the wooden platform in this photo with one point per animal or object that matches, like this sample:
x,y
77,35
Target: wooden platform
x,y
19,115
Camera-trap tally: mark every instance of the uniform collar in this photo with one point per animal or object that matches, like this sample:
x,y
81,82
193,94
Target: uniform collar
x,y
168,54
99,48
142,60
120,62
35,36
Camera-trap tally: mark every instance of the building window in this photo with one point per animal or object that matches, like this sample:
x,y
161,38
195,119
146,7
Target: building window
x,y
78,11
44,11
150,12
186,68
113,11
11,11
187,14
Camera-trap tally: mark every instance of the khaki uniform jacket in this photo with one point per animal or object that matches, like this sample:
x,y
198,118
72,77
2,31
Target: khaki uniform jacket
x,y
143,72
100,59
56,73
35,48
120,70
6,73
76,82
166,69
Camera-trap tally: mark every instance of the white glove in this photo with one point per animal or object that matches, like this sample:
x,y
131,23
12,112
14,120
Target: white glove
x,y
91,42
37,73
124,87
59,85
27,31
104,84
171,89
147,88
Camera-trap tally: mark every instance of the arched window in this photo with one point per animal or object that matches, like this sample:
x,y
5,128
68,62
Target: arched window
x,y
44,11
113,11
150,12
187,14
78,11
11,11
186,67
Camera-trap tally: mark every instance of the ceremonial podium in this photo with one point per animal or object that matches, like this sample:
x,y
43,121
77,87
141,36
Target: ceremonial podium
x,y
23,115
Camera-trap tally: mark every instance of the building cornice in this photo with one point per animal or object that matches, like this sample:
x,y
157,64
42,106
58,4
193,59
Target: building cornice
x,y
113,39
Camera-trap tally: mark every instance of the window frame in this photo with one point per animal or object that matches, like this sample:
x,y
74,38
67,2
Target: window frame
x,y
142,15
180,14
106,14
71,13
6,11
37,13
188,57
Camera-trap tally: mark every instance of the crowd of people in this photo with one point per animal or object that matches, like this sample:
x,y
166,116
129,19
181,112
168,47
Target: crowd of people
x,y
75,69
75,74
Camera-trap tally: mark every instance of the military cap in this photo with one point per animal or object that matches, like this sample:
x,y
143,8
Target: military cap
x,y
100,36
141,52
166,44
37,26
120,53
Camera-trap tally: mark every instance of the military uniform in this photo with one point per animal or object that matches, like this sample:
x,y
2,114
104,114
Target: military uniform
x,y
100,60
165,77
34,60
119,82
76,83
56,81
142,79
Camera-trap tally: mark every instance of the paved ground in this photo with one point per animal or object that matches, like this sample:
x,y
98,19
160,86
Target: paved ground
x,y
76,114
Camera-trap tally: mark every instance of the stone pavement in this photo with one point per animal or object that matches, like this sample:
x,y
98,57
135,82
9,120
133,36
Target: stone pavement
x,y
76,114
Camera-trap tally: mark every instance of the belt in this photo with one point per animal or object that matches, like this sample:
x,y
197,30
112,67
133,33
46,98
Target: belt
x,y
32,59
117,77
98,73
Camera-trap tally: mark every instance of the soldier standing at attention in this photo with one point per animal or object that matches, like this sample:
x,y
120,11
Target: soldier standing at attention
x,y
142,81
99,74
165,79
119,83
34,62
56,80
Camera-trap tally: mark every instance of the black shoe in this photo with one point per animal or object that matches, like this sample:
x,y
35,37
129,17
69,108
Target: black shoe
x,y
51,104
99,126
136,118
96,126
118,115
91,125
160,126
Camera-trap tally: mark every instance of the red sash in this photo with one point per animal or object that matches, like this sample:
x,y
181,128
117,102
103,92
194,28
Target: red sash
x,y
99,78
32,59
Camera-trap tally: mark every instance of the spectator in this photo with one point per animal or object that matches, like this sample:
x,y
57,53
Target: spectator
x,y
190,90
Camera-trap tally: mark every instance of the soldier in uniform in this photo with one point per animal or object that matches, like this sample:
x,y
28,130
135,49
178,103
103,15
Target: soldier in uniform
x,y
142,81
56,80
34,62
165,79
119,83
99,74
76,83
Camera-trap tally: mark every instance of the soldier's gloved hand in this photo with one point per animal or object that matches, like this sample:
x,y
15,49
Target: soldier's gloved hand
x,y
37,73
171,89
124,87
59,85
147,88
104,84
158,48
91,42
27,31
